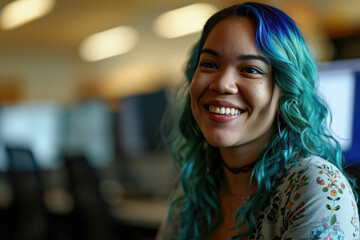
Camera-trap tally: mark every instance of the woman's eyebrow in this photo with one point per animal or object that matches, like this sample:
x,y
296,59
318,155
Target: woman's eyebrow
x,y
210,51
243,57
254,57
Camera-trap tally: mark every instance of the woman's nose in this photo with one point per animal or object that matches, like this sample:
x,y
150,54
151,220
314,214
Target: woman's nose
x,y
224,84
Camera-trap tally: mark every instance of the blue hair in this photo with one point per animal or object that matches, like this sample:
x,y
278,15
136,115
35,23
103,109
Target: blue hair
x,y
302,115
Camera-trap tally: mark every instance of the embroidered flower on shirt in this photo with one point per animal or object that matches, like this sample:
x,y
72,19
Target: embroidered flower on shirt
x,y
333,192
320,181
354,220
328,229
332,178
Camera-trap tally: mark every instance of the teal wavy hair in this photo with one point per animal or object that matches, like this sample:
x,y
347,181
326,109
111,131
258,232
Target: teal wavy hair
x,y
304,129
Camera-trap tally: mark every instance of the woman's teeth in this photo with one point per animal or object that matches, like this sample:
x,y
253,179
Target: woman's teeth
x,y
224,110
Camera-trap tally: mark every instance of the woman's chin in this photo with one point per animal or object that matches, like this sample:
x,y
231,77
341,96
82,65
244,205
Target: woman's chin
x,y
220,143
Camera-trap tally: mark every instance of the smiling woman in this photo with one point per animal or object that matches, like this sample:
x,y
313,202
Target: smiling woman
x,y
257,158
233,74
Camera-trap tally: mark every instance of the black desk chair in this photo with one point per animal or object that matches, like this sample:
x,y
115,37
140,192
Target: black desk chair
x,y
91,210
27,213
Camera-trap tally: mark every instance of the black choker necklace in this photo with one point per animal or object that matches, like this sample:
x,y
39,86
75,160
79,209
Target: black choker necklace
x,y
242,169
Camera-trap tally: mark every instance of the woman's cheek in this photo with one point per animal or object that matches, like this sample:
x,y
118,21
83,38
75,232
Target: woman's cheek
x,y
194,87
198,85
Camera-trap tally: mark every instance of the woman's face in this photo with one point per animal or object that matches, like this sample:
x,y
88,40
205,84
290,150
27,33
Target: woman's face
x,y
233,98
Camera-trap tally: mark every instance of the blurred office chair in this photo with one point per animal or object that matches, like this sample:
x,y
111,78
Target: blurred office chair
x,y
90,207
27,213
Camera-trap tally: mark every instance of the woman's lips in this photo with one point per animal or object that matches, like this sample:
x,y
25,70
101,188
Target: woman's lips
x,y
222,103
223,112
222,118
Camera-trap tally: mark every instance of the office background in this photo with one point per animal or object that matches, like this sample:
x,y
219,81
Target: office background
x,y
80,152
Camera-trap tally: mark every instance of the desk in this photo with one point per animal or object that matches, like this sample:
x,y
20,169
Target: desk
x,y
142,212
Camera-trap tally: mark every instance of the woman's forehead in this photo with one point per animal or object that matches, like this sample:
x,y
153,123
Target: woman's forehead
x,y
233,35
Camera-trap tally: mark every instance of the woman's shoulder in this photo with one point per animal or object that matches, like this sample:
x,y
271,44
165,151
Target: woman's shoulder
x,y
297,162
326,198
317,180
315,167
313,199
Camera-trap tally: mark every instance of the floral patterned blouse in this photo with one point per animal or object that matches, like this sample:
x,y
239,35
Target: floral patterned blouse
x,y
310,200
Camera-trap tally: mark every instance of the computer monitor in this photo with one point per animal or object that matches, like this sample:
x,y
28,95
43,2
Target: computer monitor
x,y
339,84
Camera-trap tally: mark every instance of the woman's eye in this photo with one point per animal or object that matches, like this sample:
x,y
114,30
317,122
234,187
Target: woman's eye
x,y
252,70
208,65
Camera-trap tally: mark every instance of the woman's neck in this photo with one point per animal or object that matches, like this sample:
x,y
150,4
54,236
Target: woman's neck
x,y
238,185
239,156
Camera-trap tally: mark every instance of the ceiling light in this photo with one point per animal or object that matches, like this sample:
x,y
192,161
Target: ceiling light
x,y
20,12
183,21
109,43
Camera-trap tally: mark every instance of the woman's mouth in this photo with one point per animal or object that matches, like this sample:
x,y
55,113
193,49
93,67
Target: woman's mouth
x,y
224,110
